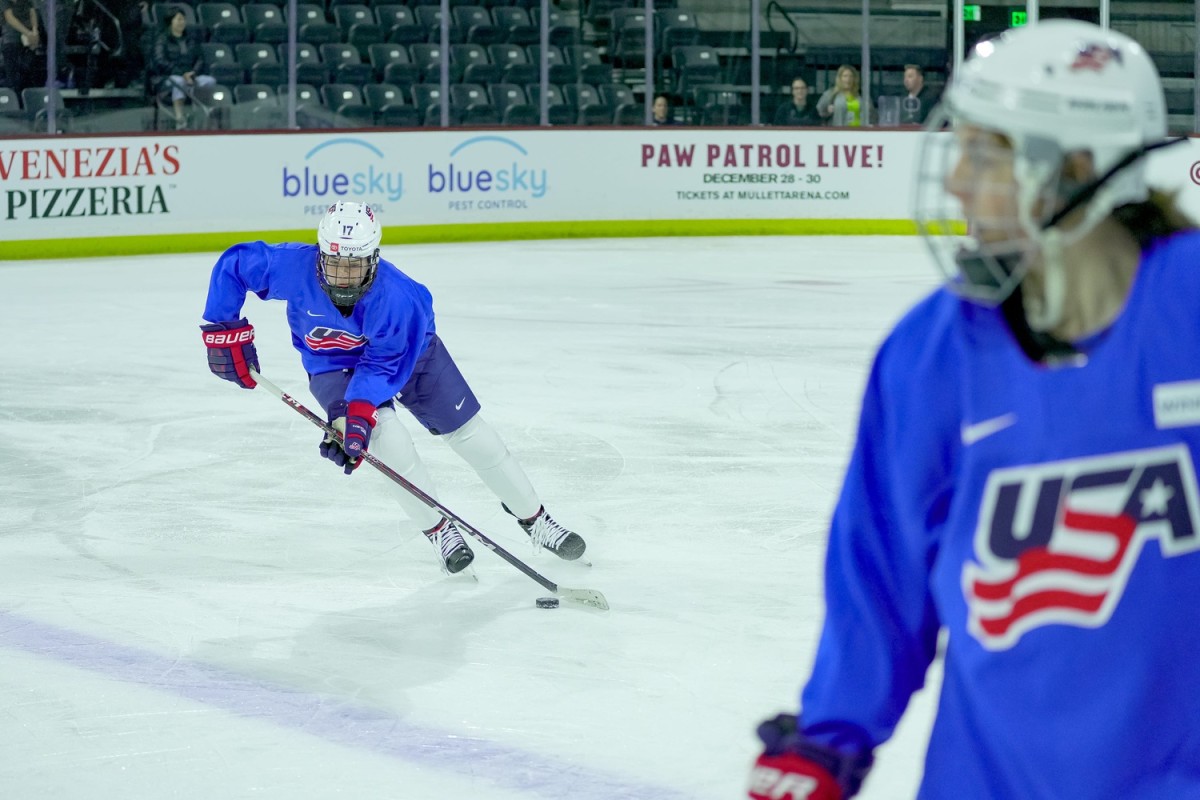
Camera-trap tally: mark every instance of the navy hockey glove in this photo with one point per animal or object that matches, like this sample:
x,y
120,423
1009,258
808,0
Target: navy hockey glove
x,y
231,351
794,768
355,421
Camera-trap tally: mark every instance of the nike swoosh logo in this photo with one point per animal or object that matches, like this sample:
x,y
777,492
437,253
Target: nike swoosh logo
x,y
981,430
311,314
460,404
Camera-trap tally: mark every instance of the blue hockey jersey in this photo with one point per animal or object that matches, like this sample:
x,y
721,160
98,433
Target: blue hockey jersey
x,y
381,340
1048,518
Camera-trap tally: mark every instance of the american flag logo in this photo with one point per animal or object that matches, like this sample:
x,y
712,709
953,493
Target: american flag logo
x,y
1095,57
333,339
1057,542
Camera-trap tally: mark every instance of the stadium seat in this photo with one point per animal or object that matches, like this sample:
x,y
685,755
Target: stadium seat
x,y
349,14
399,24
221,63
470,64
428,59
345,100
616,94
563,29
388,103
12,116
470,105
587,61
696,65
587,104
36,102
630,114
430,18
560,71
504,95
426,96
675,28
265,22
344,64
627,38
313,27
255,108
309,68
212,103
515,25
514,64
477,23
559,112
223,21
392,64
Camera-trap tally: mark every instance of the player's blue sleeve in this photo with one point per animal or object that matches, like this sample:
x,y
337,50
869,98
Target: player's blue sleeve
x,y
880,631
394,345
240,269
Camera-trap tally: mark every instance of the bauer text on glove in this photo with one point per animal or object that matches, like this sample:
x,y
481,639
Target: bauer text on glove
x,y
231,353
793,767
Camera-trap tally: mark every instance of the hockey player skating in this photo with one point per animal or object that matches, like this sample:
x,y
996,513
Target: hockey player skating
x,y
366,336
1024,473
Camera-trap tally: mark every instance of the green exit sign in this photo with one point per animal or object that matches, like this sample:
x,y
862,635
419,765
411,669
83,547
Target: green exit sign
x,y
1019,18
972,13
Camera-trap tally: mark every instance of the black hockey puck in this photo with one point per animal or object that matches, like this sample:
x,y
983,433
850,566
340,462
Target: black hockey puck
x,y
547,602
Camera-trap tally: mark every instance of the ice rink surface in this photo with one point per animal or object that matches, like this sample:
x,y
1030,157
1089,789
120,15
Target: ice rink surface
x,y
194,605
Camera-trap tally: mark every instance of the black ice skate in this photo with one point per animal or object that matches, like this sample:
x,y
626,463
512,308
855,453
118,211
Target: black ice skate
x,y
448,541
547,533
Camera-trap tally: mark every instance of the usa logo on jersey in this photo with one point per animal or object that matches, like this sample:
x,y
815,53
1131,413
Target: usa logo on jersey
x,y
322,338
1057,542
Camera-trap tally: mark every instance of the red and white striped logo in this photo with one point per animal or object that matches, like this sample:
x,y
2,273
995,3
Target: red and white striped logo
x,y
322,338
1057,542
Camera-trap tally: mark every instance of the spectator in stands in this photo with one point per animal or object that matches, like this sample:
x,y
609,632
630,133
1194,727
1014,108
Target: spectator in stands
x,y
918,99
138,38
178,60
798,113
841,103
662,110
19,41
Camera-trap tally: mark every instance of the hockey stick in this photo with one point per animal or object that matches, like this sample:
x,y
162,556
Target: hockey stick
x,y
583,597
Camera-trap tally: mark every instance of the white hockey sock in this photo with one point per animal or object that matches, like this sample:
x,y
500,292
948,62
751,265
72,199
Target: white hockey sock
x,y
479,445
393,445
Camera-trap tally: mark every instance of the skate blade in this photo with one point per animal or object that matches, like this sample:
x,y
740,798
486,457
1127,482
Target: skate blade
x,y
466,573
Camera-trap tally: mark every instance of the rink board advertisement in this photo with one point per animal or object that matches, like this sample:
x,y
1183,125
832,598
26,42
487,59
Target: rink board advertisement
x,y
153,185
188,191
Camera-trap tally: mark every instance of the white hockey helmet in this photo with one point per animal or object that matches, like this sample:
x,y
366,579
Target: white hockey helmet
x,y
1051,89
349,237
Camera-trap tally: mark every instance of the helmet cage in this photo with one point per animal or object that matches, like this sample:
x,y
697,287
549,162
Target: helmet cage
x,y
334,270
985,257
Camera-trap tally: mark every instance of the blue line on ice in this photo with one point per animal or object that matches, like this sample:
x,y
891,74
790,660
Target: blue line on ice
x,y
331,719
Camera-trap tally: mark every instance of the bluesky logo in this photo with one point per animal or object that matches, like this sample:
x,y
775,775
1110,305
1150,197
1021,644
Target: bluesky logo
x,y
488,165
344,167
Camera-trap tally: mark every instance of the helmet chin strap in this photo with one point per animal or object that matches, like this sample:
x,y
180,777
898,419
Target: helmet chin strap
x,y
1089,190
1044,311
1032,316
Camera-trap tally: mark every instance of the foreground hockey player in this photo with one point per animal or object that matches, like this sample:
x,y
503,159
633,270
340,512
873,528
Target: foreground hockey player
x,y
1024,473
366,336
